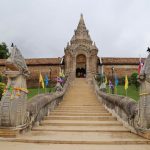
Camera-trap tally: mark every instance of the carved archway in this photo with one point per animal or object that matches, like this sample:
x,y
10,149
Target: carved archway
x,y
81,66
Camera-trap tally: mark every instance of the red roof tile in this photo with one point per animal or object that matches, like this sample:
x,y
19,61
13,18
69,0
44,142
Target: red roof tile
x,y
120,61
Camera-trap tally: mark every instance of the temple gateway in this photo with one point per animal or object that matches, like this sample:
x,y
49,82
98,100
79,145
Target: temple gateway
x,y
81,58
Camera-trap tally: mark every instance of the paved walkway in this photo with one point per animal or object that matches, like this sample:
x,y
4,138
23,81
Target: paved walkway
x,y
79,123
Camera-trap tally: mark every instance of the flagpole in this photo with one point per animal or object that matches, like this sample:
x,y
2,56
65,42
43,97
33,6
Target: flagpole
x,y
39,84
126,92
39,88
45,89
45,85
116,89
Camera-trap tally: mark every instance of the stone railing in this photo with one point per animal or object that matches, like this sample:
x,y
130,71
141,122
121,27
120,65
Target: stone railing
x,y
40,105
123,107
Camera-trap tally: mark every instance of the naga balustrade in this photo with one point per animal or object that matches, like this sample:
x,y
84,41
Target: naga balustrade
x,y
125,109
41,105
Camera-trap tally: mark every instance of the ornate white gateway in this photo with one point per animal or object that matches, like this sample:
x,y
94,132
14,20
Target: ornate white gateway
x,y
81,58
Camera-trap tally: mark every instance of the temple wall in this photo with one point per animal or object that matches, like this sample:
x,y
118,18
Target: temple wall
x,y
33,80
120,70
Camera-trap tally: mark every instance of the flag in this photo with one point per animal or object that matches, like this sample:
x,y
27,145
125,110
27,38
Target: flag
x,y
61,74
126,82
116,80
46,80
116,83
110,84
58,79
140,66
41,80
105,80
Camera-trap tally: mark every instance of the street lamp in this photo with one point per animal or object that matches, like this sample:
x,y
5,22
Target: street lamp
x,y
112,69
50,73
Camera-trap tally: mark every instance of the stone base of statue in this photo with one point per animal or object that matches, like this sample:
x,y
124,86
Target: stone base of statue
x,y
13,114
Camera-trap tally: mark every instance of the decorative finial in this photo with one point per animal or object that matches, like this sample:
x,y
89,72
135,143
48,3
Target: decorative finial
x,y
81,15
148,49
12,44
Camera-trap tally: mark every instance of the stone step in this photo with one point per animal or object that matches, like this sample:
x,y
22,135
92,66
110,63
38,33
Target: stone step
x,y
26,146
82,111
85,108
73,97
91,102
52,137
82,128
75,106
4,132
80,107
79,111
95,118
79,103
79,123
78,114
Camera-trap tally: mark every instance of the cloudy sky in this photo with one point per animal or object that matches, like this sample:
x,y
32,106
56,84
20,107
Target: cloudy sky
x,y
42,28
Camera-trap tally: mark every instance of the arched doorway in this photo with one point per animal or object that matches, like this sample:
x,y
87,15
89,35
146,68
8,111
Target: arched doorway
x,y
81,66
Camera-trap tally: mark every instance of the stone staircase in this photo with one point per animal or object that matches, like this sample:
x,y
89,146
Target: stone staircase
x,y
80,122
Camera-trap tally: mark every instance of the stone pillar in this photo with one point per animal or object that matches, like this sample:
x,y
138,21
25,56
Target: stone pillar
x,y
73,68
89,73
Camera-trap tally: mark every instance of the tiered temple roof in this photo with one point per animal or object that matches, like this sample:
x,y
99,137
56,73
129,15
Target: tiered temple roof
x,y
81,33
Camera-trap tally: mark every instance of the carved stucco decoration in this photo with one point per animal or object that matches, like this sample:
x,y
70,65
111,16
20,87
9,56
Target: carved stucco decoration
x,y
81,43
13,103
144,102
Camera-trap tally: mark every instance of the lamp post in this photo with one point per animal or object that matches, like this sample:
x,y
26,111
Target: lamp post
x,y
112,69
50,73
101,66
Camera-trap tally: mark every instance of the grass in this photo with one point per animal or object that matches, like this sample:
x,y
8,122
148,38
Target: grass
x,y
35,91
131,91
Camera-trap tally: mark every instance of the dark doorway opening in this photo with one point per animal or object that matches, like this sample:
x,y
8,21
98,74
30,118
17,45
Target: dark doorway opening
x,y
81,66
80,72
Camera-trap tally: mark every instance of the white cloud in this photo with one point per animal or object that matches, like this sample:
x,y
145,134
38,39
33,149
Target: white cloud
x,y
42,28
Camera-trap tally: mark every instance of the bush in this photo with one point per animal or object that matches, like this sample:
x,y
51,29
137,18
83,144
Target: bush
x,y
2,86
1,78
100,78
134,80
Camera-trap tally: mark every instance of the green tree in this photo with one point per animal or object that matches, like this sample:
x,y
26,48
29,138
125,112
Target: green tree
x,y
4,52
134,80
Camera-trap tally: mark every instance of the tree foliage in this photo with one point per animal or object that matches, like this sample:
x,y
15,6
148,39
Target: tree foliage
x,y
4,52
134,79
